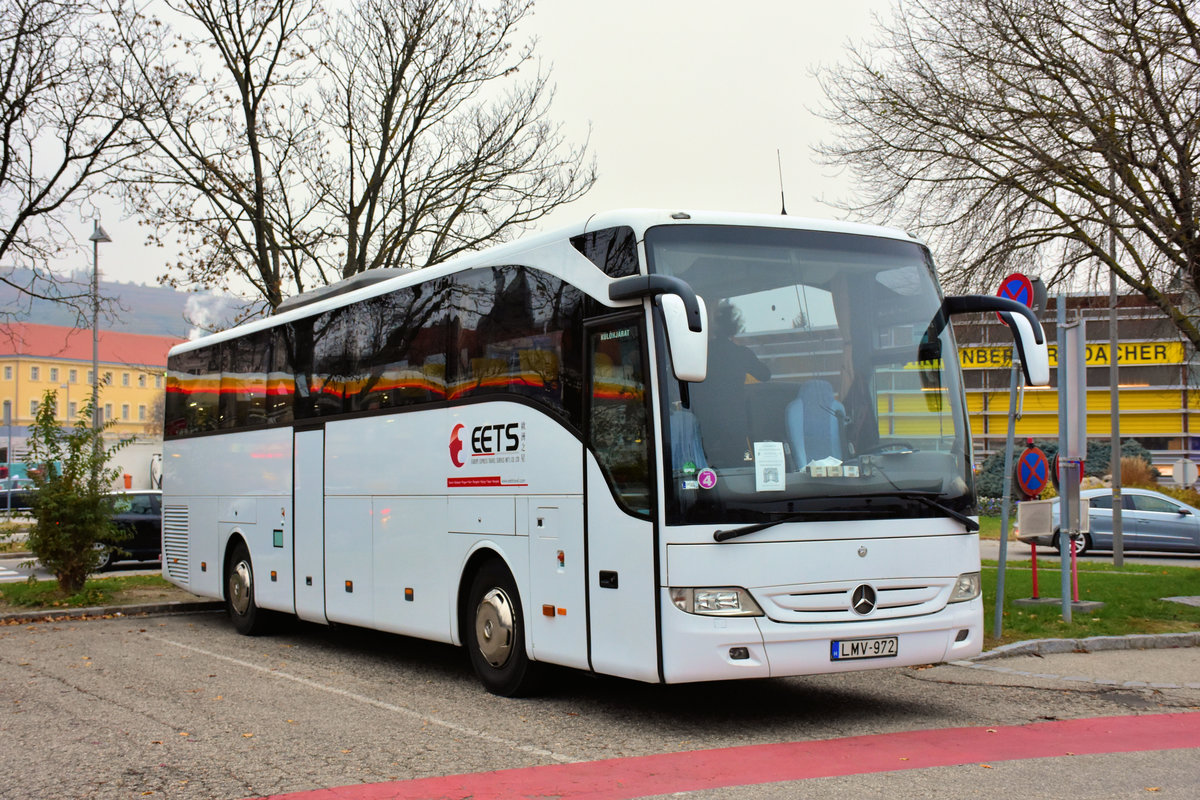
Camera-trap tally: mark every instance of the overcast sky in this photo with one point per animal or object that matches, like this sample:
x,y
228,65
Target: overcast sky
x,y
687,103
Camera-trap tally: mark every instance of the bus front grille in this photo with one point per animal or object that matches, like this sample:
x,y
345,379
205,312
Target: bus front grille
x,y
175,542
831,602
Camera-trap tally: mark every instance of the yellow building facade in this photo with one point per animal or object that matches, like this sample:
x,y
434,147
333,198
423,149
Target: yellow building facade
x,y
35,359
1158,399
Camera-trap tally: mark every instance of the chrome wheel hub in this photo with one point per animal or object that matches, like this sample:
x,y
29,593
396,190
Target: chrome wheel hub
x,y
240,580
494,627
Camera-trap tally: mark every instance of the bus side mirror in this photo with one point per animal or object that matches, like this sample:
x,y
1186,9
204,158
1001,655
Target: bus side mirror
x,y
1026,330
1035,357
683,319
688,348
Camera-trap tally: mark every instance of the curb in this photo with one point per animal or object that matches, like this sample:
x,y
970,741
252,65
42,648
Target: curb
x,y
174,607
1091,644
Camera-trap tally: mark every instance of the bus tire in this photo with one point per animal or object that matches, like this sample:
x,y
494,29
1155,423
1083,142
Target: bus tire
x,y
495,633
247,617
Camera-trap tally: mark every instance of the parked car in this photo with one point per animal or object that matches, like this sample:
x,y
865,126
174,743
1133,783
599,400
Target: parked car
x,y
15,494
1149,521
140,512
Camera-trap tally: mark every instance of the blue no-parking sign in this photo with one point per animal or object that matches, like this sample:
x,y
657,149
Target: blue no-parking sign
x,y
1017,287
1032,472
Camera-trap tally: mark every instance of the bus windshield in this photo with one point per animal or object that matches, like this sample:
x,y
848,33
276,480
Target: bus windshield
x,y
829,392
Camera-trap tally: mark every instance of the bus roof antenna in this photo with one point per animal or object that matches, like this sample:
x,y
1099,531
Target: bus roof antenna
x,y
782,201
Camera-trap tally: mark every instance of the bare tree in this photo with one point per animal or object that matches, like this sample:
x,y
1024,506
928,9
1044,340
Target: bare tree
x,y
64,129
229,127
444,149
1023,133
404,139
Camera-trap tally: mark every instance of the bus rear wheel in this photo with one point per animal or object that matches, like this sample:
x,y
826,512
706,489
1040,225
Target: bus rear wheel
x,y
247,617
495,634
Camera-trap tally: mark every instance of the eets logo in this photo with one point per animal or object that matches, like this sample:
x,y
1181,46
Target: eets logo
x,y
488,440
456,446
489,443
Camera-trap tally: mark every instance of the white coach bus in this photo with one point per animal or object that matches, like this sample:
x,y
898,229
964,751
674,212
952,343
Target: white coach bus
x,y
664,446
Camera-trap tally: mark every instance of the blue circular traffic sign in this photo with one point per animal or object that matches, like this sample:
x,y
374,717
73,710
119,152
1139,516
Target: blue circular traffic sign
x,y
1033,472
1017,287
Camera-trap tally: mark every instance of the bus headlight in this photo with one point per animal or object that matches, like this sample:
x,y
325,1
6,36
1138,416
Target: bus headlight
x,y
721,601
967,587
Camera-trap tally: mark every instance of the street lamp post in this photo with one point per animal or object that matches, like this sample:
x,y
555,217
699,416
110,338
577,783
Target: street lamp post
x,y
98,236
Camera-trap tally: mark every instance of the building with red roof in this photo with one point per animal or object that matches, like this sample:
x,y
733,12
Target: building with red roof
x,y
37,358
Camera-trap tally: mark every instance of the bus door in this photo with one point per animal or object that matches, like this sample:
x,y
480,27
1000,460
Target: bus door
x,y
622,569
308,523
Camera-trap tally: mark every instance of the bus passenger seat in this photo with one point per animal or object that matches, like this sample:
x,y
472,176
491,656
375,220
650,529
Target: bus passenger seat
x,y
794,418
814,423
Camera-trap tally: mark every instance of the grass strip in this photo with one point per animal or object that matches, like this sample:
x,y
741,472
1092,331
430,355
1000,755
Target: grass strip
x,y
95,592
1132,596
989,527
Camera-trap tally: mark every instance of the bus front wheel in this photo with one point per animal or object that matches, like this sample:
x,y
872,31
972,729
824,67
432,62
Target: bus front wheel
x,y
248,618
495,633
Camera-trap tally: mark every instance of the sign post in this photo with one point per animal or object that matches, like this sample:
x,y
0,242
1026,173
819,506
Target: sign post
x,y
1032,293
1072,440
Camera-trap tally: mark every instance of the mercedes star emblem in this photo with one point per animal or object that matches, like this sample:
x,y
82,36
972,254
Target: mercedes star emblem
x,y
863,600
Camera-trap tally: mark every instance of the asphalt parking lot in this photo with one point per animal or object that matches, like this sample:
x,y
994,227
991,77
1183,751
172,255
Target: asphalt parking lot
x,y
181,706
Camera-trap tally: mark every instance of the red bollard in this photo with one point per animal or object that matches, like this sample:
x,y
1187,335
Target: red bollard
x,y
1033,560
1074,575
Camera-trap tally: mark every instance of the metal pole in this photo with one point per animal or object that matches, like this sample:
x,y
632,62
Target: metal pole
x,y
98,236
1114,461
9,457
95,331
1063,505
1005,502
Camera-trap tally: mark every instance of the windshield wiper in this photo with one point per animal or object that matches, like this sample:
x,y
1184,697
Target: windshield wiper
x,y
733,533
926,498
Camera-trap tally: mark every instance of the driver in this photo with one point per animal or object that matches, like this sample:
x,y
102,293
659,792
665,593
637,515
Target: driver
x,y
719,402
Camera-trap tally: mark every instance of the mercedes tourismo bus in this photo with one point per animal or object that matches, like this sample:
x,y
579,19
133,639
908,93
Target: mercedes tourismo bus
x,y
663,446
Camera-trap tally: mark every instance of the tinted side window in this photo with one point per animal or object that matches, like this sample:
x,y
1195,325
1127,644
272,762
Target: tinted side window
x,y
619,425
297,341
336,366
511,329
613,250
140,504
497,330
193,385
1101,501
1143,502
408,340
281,376
244,380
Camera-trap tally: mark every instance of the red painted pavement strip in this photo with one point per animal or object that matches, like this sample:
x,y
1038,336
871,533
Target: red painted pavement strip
x,y
640,776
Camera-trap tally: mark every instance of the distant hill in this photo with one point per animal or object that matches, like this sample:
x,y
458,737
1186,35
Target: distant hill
x,y
156,310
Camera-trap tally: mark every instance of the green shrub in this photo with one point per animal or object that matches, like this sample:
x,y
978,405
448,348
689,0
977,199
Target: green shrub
x,y
989,481
72,507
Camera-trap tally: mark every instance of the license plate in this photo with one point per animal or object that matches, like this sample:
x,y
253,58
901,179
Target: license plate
x,y
846,649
